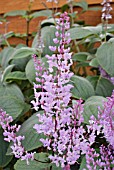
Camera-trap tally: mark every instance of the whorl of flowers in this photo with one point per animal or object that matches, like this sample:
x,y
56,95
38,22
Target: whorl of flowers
x,y
10,136
60,123
106,10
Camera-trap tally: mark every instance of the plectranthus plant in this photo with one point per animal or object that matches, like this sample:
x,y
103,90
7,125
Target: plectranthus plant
x,y
61,122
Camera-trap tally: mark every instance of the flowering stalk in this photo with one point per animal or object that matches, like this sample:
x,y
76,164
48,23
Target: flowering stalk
x,y
106,13
59,123
10,136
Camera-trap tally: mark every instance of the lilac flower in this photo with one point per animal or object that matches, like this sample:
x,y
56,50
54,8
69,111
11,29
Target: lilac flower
x,y
10,135
106,10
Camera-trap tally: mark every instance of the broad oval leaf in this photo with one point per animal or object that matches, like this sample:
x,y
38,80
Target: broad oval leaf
x,y
23,52
105,56
32,138
102,86
4,159
34,165
12,105
11,89
79,33
91,107
82,88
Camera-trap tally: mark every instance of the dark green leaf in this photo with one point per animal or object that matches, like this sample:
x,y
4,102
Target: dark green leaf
x,y
81,56
82,88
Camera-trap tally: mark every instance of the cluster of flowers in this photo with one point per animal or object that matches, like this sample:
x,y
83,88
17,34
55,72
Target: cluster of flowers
x,y
103,125
62,123
106,10
10,136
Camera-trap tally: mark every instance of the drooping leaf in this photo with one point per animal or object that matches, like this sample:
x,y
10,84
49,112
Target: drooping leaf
x,y
6,55
4,159
7,70
82,88
91,107
79,33
15,13
30,71
106,58
46,13
34,165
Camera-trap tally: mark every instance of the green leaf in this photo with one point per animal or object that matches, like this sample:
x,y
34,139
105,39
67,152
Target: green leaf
x,y
91,107
82,4
79,33
7,70
12,105
6,55
30,71
23,52
82,88
46,13
83,164
15,13
105,56
16,75
32,138
94,63
102,86
81,56
4,159
11,89
34,165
